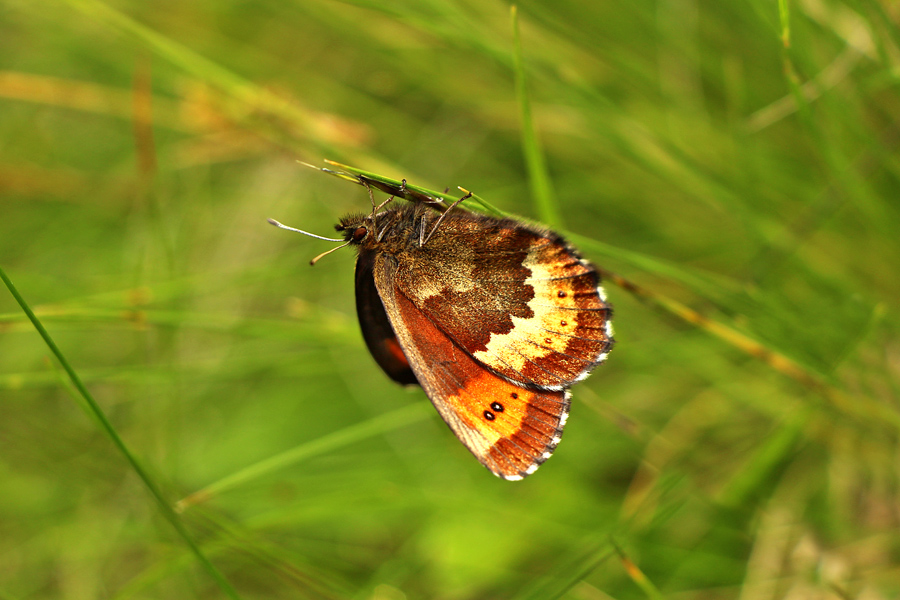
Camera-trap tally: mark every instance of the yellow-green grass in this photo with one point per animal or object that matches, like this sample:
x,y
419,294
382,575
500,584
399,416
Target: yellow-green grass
x,y
212,425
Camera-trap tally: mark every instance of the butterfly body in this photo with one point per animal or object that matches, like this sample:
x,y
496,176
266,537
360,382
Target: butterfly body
x,y
494,318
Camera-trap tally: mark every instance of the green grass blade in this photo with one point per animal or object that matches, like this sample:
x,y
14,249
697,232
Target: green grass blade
x,y
784,17
113,435
541,187
354,433
637,575
567,572
392,186
243,90
752,483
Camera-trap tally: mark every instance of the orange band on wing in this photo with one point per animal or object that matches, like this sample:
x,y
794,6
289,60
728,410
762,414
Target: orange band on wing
x,y
509,428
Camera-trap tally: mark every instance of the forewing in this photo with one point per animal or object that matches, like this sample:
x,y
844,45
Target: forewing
x,y
519,300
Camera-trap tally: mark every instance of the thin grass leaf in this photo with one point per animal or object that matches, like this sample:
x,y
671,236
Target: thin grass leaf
x,y
398,188
754,482
119,443
567,572
538,177
784,17
333,441
241,89
638,576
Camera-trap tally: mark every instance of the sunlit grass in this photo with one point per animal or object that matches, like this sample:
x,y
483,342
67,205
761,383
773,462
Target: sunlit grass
x,y
731,167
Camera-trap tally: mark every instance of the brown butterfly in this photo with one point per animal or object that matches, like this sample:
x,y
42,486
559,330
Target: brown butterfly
x,y
494,318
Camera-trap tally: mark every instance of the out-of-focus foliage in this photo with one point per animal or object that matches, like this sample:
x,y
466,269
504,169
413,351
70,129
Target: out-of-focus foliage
x,y
737,163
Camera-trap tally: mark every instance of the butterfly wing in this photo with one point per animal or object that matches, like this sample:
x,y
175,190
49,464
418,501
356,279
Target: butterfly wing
x,y
376,328
509,428
517,299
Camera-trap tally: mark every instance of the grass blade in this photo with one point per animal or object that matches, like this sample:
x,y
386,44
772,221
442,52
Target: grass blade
x,y
541,188
567,573
354,433
119,443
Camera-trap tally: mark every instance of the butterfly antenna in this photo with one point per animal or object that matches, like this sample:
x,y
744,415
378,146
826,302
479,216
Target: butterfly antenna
x,y
327,252
318,237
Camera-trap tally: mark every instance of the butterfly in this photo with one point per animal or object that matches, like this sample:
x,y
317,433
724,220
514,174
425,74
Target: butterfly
x,y
494,318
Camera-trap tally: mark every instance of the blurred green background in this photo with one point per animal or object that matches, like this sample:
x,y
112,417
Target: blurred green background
x,y
736,160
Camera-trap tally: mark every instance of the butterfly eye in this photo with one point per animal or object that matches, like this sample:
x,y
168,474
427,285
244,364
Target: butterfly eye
x,y
359,233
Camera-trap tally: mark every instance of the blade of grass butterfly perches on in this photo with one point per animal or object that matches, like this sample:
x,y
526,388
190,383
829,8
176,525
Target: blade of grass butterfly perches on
x,y
400,188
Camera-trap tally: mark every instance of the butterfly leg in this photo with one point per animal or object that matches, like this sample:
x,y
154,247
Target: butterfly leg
x,y
375,208
422,242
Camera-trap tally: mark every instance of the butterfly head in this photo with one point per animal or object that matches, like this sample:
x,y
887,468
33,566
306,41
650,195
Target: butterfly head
x,y
390,230
355,228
